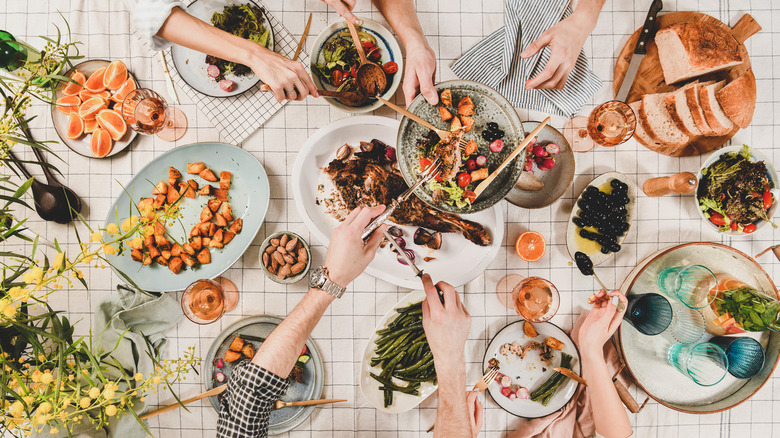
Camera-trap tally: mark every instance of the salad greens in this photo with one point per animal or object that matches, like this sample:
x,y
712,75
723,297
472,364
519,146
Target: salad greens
x,y
751,309
246,21
341,60
455,194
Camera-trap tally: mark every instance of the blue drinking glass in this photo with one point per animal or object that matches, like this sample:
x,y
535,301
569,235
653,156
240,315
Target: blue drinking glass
x,y
650,313
745,354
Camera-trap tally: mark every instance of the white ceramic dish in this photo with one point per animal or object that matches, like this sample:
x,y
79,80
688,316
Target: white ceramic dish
x,y
370,387
530,372
389,49
771,174
458,261
572,230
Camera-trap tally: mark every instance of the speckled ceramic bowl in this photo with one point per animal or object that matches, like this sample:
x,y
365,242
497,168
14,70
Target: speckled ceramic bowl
x,y
489,106
292,279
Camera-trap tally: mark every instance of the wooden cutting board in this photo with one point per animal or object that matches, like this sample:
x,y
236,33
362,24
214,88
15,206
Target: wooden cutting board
x,y
650,78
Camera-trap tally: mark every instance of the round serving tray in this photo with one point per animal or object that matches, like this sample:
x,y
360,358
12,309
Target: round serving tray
x,y
645,356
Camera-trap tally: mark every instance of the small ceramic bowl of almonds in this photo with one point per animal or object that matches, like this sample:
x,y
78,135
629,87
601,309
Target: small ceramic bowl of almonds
x,y
285,257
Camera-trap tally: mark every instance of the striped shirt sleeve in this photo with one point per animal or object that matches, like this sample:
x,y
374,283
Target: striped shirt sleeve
x,y
148,16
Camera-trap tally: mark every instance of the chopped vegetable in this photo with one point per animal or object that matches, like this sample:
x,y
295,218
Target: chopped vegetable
x,y
220,377
212,71
232,356
341,60
529,330
246,21
304,358
226,85
554,343
497,145
237,344
219,363
548,389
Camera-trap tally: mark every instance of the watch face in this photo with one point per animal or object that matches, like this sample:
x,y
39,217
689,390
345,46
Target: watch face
x,y
316,279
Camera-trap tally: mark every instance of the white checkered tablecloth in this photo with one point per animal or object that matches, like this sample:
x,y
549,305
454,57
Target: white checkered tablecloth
x,y
452,26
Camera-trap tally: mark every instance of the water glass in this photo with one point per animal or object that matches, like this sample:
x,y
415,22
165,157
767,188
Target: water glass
x,y
650,313
688,325
704,363
745,354
689,284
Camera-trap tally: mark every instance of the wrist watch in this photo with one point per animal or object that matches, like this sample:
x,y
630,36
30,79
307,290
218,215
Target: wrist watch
x,y
319,280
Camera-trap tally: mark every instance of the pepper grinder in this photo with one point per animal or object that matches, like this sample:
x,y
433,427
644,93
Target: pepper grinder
x,y
683,182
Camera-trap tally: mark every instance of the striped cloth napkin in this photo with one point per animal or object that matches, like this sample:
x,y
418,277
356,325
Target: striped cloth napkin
x,y
495,61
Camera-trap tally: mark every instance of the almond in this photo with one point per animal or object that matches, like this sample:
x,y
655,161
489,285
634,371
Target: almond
x,y
281,249
303,256
270,249
279,258
275,242
275,265
291,245
289,259
272,269
284,271
284,239
297,268
266,259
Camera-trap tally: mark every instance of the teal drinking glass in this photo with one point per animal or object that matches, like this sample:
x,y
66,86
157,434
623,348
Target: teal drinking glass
x,y
746,355
704,363
688,325
689,284
650,313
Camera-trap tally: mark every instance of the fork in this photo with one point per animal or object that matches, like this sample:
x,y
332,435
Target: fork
x,y
424,177
481,385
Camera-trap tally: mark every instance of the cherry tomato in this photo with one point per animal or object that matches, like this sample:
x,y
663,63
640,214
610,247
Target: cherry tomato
x,y
464,179
749,228
390,67
471,196
734,225
767,199
373,54
715,218
471,164
424,163
337,77
368,45
353,71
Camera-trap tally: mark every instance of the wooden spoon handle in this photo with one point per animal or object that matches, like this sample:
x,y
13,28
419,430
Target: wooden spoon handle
x,y
408,114
311,402
216,391
358,43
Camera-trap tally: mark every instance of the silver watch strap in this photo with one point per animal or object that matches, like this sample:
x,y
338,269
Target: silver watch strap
x,y
333,288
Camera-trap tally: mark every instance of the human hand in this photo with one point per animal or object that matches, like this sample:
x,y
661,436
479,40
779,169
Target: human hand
x,y
565,39
601,322
348,256
446,325
419,74
344,9
286,78
475,412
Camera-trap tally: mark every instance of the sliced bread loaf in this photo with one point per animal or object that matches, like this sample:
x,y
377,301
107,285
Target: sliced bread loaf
x,y
716,118
692,99
680,112
639,132
658,123
687,50
738,99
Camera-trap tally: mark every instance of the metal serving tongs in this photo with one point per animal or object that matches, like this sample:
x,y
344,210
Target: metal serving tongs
x,y
425,176
417,271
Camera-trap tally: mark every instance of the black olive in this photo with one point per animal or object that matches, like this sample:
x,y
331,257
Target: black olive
x,y
604,250
486,135
579,222
585,233
615,183
615,247
584,263
492,126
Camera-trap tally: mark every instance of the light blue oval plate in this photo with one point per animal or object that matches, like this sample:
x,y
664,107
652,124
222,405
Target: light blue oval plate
x,y
248,196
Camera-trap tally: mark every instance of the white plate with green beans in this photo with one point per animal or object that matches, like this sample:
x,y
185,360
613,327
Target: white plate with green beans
x,y
531,373
397,354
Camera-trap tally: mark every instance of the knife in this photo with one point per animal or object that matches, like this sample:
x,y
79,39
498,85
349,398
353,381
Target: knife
x,y
417,271
645,35
571,374
168,79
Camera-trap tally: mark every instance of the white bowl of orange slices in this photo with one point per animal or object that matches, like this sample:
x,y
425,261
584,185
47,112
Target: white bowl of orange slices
x,y
87,113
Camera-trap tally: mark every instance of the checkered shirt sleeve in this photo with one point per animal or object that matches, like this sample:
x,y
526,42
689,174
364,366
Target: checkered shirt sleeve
x,y
247,403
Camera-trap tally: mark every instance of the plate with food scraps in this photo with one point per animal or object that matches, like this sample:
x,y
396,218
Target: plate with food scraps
x,y
746,185
334,51
74,130
306,379
398,343
491,130
213,76
224,222
601,219
527,385
324,199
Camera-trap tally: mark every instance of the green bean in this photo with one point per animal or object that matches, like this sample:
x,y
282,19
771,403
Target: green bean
x,y
417,305
251,338
388,384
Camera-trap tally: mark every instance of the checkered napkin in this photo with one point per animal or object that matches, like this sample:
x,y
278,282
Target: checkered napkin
x,y
495,61
237,117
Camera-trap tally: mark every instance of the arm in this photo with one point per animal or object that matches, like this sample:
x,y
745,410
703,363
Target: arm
x,y
565,39
611,419
446,327
287,78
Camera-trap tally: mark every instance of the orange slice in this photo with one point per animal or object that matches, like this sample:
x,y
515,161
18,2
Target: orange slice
x,y
85,95
101,143
68,104
75,126
115,75
124,90
90,108
70,88
95,81
112,122
90,126
530,246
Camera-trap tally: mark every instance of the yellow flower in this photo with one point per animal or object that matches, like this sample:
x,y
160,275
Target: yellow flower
x,y
59,259
71,377
40,419
47,378
110,410
17,293
36,376
109,250
34,275
17,409
112,229
87,260
96,237
9,311
54,431
44,408
4,302
133,220
94,393
126,225
108,393
138,377
84,402
156,380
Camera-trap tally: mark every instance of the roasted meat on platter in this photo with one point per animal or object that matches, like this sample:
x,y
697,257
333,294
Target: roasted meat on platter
x,y
362,181
448,149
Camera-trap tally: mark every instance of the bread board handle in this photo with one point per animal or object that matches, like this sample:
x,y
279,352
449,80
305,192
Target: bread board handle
x,y
746,27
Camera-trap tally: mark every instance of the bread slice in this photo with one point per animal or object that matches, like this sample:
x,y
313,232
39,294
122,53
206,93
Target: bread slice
x,y
716,118
688,50
692,99
658,123
639,132
680,112
738,99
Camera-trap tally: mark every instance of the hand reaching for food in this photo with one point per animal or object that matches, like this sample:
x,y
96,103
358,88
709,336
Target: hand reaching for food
x,y
476,412
419,74
446,325
348,256
286,78
344,9
602,321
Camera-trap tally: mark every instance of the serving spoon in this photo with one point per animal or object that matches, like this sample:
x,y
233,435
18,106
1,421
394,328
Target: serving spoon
x,y
370,76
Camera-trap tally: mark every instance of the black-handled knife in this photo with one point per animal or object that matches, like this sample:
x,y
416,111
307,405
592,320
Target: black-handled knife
x,y
645,35
417,271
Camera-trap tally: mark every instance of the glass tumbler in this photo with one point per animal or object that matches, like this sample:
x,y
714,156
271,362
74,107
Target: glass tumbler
x,y
746,355
650,313
704,363
688,325
690,284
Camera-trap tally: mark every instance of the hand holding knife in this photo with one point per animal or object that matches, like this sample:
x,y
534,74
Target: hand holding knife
x,y
417,271
647,33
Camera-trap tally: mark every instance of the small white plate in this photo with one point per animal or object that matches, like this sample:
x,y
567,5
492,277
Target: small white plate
x,y
370,387
389,49
530,372
458,261
572,230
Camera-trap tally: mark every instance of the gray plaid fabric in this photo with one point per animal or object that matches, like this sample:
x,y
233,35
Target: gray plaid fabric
x,y
248,401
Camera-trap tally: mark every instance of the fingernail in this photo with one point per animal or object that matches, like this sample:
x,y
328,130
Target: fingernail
x,y
615,301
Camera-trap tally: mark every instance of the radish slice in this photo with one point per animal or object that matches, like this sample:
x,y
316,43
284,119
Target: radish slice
x,y
220,377
219,363
505,391
512,396
212,71
226,85
522,393
506,381
498,377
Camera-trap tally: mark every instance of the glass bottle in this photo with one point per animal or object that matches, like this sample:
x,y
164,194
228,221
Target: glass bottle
x,y
12,54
